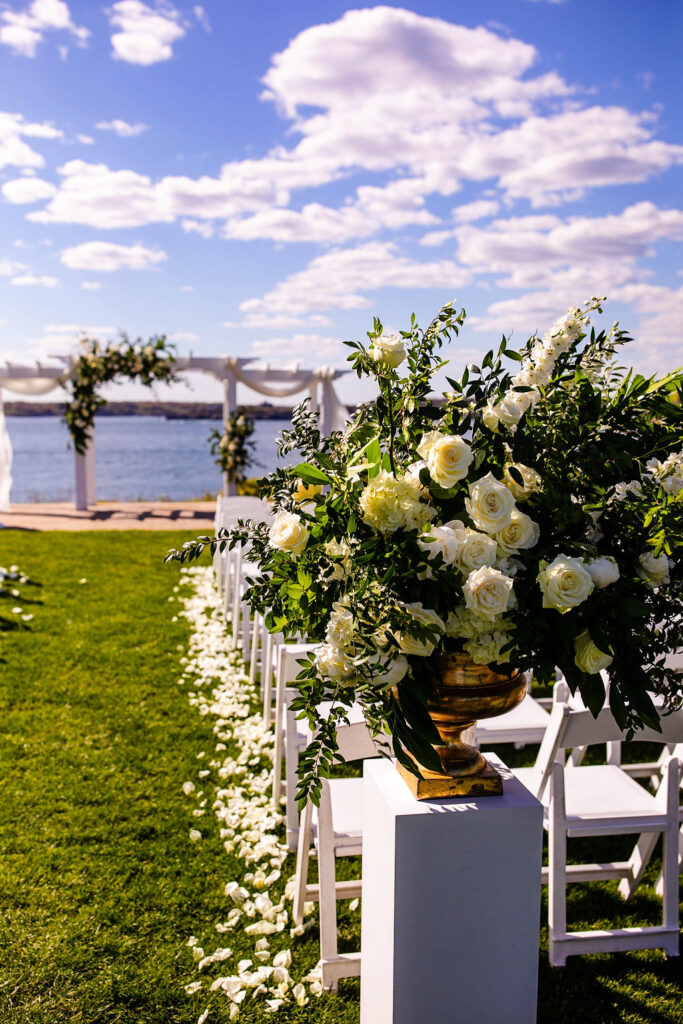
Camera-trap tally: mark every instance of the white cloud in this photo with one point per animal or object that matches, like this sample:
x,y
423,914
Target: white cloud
x,y
658,333
108,256
279,321
389,91
314,348
121,127
23,30
27,190
393,206
85,140
145,34
480,208
525,247
187,287
85,197
13,150
43,281
183,336
91,286
340,279
10,267
78,329
202,17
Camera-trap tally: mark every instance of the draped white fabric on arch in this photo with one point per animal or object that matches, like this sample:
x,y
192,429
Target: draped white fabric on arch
x,y
22,386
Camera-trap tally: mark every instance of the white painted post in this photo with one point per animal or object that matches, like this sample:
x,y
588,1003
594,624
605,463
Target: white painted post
x,y
86,492
451,904
229,406
313,396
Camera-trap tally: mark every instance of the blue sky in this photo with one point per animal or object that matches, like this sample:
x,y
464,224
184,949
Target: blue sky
x,y
263,178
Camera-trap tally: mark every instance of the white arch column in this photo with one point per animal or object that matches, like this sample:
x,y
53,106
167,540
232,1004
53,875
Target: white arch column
x,y
229,406
86,487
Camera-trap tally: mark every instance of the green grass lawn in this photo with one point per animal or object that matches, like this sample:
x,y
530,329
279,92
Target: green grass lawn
x,y
100,887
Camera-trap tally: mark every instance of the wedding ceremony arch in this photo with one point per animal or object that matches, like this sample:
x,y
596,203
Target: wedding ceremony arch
x,y
272,382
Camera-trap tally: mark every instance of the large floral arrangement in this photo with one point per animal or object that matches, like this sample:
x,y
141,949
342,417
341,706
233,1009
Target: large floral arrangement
x,y
98,364
232,446
532,518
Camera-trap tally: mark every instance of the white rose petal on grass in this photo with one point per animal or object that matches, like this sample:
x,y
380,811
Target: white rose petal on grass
x,y
410,644
202,1019
531,481
448,457
565,583
654,569
193,987
288,533
490,504
588,656
520,533
602,571
488,592
195,835
389,349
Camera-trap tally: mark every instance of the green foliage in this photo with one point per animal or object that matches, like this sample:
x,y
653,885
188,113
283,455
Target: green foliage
x,y
232,446
144,361
592,455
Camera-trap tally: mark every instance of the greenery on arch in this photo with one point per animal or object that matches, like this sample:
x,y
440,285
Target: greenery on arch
x,y
148,362
233,446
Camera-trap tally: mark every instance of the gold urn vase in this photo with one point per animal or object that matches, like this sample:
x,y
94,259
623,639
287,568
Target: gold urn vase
x,y
464,692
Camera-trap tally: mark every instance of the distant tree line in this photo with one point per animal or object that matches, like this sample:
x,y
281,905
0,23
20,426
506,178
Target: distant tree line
x,y
170,410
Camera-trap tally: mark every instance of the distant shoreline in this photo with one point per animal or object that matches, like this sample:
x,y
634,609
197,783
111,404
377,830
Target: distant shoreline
x,y
169,410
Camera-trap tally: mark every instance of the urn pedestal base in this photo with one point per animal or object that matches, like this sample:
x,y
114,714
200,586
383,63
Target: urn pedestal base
x,y
433,786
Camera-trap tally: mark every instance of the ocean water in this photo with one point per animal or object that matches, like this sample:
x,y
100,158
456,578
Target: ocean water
x,y
138,458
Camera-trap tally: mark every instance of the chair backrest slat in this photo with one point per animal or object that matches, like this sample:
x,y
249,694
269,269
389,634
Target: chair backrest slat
x,y
583,730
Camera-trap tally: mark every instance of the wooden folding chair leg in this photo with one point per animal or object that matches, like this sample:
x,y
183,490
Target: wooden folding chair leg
x,y
279,738
327,879
557,870
638,862
254,648
267,678
291,779
670,782
302,858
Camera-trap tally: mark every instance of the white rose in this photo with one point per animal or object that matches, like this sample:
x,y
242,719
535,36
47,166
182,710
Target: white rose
x,y
332,662
340,626
490,417
487,592
602,571
512,407
520,533
393,671
476,549
565,583
288,533
490,504
440,540
654,570
408,643
389,349
588,657
531,481
448,457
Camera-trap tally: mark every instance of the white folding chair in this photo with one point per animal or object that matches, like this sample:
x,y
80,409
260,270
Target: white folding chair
x,y
601,800
291,734
334,829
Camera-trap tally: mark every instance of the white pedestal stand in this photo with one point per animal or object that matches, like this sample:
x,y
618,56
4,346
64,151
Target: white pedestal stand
x,y
451,904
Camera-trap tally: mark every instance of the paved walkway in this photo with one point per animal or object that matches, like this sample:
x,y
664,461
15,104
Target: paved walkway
x,y
132,515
